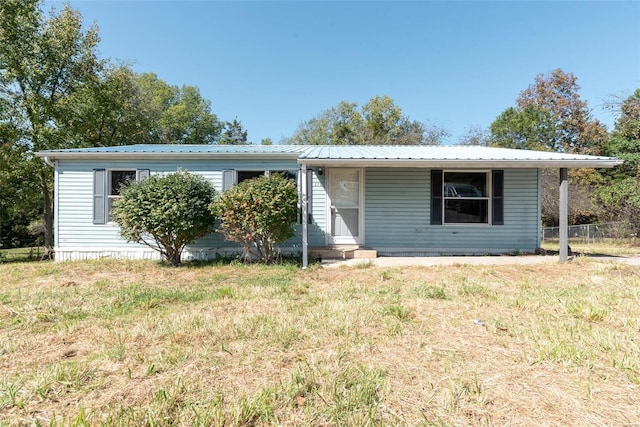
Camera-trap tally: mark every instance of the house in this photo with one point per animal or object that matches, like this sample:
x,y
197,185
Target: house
x,y
388,200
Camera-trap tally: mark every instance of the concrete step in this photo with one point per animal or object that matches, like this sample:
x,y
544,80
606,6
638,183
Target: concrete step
x,y
342,252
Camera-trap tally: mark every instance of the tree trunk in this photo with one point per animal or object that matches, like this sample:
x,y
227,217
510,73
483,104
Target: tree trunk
x,y
48,218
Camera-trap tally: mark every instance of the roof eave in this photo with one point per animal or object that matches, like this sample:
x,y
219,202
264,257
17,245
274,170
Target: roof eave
x,y
471,163
161,155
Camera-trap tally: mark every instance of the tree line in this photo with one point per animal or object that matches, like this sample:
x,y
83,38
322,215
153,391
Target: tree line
x,y
57,92
548,115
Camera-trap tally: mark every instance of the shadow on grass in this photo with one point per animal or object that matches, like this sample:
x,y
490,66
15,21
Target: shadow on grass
x,y
283,261
18,255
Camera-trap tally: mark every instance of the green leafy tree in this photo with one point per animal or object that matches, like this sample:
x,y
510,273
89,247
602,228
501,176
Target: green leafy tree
x,y
619,189
120,107
530,128
234,134
549,115
178,115
574,129
625,140
166,213
43,60
620,201
628,123
379,121
258,214
56,93
345,124
383,120
19,194
108,110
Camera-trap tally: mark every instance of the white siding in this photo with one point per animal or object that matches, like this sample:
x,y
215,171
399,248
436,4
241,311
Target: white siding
x,y
397,216
76,235
318,225
396,210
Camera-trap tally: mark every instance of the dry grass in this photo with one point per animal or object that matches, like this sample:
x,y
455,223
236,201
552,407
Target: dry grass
x,y
603,247
136,343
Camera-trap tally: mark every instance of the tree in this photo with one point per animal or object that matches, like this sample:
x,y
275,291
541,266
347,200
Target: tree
x,y
234,134
120,107
382,120
475,135
549,115
19,201
574,129
379,121
258,213
628,122
339,125
166,213
178,115
529,128
43,60
108,110
430,134
55,93
619,189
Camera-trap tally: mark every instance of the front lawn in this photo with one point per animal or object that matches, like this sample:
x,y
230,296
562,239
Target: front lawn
x,y
134,342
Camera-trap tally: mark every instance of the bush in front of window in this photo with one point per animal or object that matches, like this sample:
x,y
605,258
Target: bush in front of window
x,y
258,213
166,213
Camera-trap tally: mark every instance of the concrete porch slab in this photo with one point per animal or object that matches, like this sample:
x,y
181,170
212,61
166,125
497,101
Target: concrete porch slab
x,y
342,252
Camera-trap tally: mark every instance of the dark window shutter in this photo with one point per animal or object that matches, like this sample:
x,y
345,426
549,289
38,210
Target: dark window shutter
x,y
227,179
142,174
436,196
99,196
497,180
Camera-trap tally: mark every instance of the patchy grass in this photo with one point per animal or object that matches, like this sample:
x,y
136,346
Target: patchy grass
x,y
604,247
136,343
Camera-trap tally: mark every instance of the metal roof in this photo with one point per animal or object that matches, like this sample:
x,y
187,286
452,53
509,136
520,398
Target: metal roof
x,y
342,155
175,151
185,148
446,156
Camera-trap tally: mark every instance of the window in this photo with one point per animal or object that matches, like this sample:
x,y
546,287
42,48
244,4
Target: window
x,y
467,197
117,181
245,175
107,185
230,177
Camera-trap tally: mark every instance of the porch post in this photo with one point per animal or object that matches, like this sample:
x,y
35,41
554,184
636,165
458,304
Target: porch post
x,y
305,216
564,215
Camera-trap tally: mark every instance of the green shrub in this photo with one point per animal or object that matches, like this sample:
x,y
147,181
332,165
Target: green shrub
x,y
166,212
258,213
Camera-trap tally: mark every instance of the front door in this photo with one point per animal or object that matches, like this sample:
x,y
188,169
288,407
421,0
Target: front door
x,y
345,205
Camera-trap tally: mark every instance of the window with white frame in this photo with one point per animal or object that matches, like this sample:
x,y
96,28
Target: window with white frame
x,y
231,177
107,185
118,179
466,197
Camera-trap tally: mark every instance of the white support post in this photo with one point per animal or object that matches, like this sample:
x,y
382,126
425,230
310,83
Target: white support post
x,y
305,216
564,215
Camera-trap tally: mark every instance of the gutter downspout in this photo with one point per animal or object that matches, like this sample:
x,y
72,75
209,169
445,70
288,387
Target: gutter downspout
x,y
48,161
305,217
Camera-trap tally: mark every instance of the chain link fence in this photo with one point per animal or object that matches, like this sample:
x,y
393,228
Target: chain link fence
x,y
592,233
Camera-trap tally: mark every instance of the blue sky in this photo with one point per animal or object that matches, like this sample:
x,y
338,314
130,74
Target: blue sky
x,y
274,65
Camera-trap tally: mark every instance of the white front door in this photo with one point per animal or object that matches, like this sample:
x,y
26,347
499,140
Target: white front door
x,y
345,206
